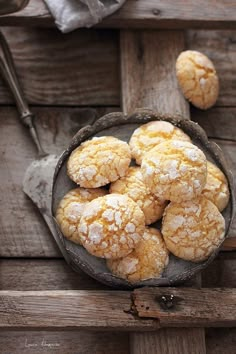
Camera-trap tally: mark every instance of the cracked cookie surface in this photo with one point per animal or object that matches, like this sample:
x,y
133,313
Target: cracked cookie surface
x,y
134,186
99,161
175,170
70,209
151,134
111,226
197,78
193,229
216,188
148,260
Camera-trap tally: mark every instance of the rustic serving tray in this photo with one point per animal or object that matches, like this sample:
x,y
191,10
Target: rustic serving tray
x,y
122,126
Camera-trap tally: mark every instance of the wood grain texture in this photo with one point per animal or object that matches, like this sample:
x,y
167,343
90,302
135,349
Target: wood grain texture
x,y
221,340
70,309
148,80
73,342
22,230
43,274
190,307
169,341
113,310
220,46
55,274
148,71
80,68
143,14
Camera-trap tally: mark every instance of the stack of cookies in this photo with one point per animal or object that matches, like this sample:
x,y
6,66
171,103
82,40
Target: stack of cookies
x,y
112,211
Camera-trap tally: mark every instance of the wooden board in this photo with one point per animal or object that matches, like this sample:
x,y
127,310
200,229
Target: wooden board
x,y
141,310
55,274
143,14
23,232
148,80
90,61
80,68
73,342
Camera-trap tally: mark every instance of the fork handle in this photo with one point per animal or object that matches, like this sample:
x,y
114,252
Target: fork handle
x,y
8,72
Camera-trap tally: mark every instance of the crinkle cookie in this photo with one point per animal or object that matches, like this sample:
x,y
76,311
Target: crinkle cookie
x,y
111,226
71,207
216,188
193,229
99,161
175,170
197,78
151,134
148,260
134,186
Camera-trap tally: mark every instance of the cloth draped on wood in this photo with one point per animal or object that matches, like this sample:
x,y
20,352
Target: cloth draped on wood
x,y
72,14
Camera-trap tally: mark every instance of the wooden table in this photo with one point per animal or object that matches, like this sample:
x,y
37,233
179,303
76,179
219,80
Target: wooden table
x,y
71,80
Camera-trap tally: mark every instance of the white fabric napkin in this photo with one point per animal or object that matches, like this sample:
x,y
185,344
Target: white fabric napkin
x,y
72,14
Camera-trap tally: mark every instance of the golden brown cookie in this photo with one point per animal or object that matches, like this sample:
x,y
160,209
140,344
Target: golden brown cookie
x,y
175,170
71,207
197,78
148,260
111,226
216,188
193,229
151,134
99,161
134,186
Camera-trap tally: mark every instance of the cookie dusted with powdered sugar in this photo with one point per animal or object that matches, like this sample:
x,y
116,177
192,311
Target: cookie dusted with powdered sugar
x,y
197,78
111,226
134,186
193,229
148,260
70,208
99,161
175,170
148,135
216,188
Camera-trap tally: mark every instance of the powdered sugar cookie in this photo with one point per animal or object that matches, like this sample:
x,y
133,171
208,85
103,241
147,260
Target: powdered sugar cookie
x,y
99,161
193,229
111,226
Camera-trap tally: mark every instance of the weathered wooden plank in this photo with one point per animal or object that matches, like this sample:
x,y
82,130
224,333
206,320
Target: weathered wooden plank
x,y
113,310
178,307
43,274
71,309
221,273
221,340
218,122
22,230
170,341
220,46
148,71
80,68
55,274
148,80
143,14
73,342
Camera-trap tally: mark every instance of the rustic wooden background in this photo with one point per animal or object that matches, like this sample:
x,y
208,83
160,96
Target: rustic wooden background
x,y
70,80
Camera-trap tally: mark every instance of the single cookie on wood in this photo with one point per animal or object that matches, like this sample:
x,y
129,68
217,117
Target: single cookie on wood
x,y
197,78
193,229
99,161
111,226
70,209
148,260
151,134
175,170
134,186
216,188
